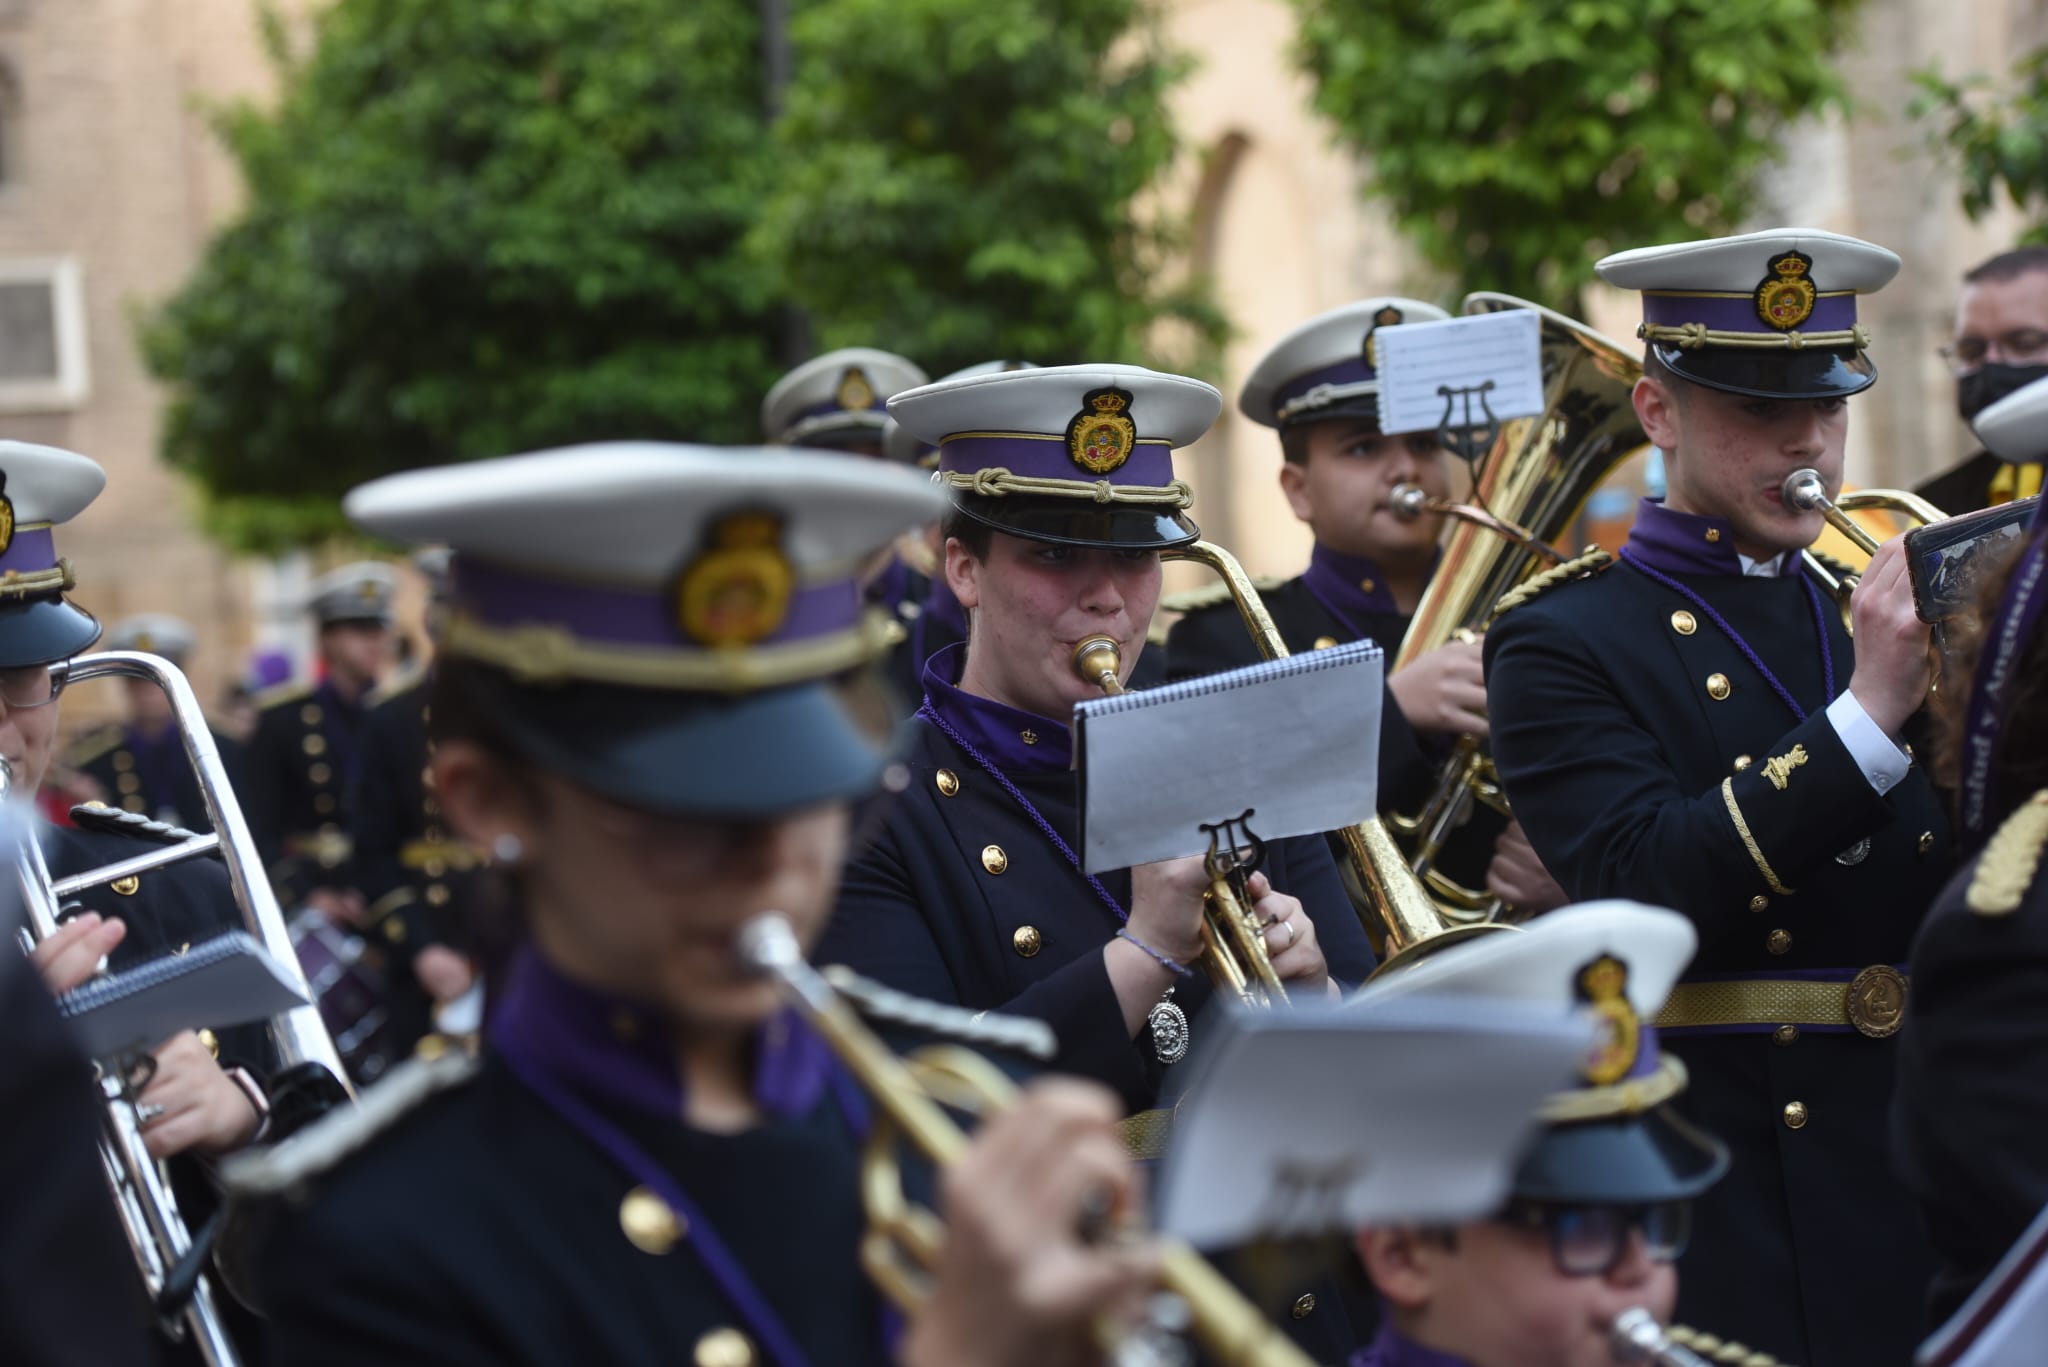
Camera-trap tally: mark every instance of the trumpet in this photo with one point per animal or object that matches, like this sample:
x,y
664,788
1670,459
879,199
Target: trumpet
x,y
1234,952
909,1093
169,1257
1637,1340
1806,491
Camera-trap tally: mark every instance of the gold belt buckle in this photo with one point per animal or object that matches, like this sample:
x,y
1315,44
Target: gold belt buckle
x,y
1876,1001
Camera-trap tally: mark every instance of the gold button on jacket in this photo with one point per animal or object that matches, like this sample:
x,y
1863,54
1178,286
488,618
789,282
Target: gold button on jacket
x,y
1684,623
993,859
949,783
1027,941
1795,1115
1718,687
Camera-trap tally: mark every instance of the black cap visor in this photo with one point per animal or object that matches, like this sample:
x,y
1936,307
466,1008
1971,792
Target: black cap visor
x,y
1631,1160
1365,405
43,631
1082,522
749,757
1773,372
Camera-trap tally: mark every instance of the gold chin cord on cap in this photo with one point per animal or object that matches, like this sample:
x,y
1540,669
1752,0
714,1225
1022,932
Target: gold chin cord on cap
x,y
904,1242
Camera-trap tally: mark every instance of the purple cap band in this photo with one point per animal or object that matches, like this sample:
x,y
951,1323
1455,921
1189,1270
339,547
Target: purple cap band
x,y
1831,313
632,617
30,552
1150,464
1646,1052
1351,371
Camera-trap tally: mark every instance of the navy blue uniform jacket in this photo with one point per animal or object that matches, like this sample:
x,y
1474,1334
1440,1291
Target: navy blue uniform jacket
x,y
1628,775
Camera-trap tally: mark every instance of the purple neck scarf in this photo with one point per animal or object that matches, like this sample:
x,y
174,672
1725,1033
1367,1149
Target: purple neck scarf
x,y
1015,741
2007,637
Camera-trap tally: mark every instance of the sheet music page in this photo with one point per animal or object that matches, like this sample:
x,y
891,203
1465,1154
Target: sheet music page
x,y
1416,360
1296,740
1440,1094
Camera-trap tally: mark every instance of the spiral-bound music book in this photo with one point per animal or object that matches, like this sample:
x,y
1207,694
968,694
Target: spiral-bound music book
x,y
1296,740
228,980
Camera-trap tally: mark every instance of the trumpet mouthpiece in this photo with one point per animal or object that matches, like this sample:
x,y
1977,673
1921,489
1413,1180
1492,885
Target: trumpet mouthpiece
x,y
768,943
1098,661
1804,490
1407,502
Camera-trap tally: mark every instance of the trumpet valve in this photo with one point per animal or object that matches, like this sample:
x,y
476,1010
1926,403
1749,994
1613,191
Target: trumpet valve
x,y
1099,661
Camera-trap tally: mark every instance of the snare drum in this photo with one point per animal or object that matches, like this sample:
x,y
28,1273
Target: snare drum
x,y
349,987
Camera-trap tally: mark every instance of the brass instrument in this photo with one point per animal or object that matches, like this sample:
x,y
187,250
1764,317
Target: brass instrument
x,y
1401,919
902,1246
1805,490
1526,491
1637,1340
1234,952
170,1258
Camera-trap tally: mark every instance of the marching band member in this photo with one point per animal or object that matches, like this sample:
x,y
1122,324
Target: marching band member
x,y
140,765
972,892
1601,1203
1319,388
648,707
303,749
419,884
1971,1109
1693,727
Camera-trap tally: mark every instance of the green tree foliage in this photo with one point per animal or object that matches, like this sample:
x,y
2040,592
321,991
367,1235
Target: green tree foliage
x,y
474,227
1999,141
1517,141
960,180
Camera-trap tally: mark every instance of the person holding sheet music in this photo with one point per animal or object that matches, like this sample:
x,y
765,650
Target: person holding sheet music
x,y
1696,727
972,892
653,1160
1973,1057
1319,388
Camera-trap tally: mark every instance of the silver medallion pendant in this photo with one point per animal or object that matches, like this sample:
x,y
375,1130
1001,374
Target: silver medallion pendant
x,y
1169,1026
1855,854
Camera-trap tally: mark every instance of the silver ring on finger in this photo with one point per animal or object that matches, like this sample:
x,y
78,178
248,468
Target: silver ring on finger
x,y
148,1113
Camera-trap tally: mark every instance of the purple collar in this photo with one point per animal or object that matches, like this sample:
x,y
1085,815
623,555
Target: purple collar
x,y
621,1051
1395,1349
1350,586
1683,543
1014,741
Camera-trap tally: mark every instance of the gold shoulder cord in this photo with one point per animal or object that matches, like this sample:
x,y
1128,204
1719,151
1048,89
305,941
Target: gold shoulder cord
x,y
2006,869
1589,562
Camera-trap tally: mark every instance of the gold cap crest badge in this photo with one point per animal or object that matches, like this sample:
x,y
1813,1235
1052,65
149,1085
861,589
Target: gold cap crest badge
x,y
1102,434
855,395
1785,298
6,516
1387,316
737,590
1603,987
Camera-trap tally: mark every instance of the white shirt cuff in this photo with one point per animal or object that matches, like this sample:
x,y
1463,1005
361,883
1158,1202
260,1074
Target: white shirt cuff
x,y
1880,759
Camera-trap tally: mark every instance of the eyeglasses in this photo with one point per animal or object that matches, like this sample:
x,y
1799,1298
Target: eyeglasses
x,y
2021,346
26,686
1591,1240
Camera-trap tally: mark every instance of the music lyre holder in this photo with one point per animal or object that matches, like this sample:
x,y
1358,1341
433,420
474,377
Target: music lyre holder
x,y
1235,850
1468,440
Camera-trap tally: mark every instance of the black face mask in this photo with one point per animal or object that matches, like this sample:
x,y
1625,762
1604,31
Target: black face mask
x,y
1992,381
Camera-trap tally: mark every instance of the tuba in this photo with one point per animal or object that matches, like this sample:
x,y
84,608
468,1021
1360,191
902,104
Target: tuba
x,y
171,1257
1526,491
905,1241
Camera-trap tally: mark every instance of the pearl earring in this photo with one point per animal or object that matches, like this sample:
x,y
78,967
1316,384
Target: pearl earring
x,y
506,849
